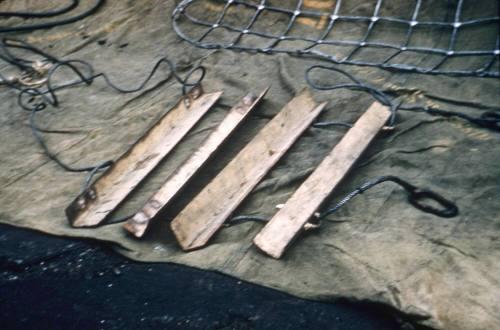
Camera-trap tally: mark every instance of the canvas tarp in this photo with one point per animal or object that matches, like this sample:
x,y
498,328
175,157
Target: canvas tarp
x,y
442,273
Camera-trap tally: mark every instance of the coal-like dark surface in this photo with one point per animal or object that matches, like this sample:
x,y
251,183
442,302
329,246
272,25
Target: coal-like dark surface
x,y
56,283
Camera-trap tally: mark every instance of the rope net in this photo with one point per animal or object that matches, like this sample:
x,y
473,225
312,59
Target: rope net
x,y
457,37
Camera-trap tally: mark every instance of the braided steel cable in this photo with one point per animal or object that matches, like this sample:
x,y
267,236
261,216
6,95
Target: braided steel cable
x,y
36,96
417,197
49,13
487,119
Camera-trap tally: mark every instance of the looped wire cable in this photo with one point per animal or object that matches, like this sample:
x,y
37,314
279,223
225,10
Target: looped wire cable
x,y
355,85
185,82
416,197
37,98
50,13
489,119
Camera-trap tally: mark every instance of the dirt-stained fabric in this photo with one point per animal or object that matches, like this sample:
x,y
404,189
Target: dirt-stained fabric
x,y
443,273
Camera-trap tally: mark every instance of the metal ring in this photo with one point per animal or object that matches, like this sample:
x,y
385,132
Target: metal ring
x,y
185,82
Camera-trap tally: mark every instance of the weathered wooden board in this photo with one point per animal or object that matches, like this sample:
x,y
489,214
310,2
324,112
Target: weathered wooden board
x,y
289,220
138,224
109,190
204,215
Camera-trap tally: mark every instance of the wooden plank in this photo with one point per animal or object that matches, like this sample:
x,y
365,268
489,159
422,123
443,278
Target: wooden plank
x,y
206,213
138,224
111,188
289,220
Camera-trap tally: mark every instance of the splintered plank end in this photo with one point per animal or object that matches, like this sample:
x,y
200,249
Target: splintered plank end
x,y
288,222
206,213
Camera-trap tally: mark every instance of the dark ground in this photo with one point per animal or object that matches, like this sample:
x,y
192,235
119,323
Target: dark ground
x,y
56,283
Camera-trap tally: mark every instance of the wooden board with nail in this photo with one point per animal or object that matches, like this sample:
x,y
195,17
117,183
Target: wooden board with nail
x,y
111,188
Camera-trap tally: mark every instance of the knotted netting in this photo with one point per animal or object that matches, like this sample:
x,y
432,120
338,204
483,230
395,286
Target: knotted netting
x,y
459,37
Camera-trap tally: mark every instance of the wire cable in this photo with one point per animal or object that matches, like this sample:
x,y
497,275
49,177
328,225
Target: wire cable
x,y
48,13
488,119
38,95
51,13
417,197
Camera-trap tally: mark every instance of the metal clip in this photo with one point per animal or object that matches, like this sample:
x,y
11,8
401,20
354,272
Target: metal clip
x,y
192,95
29,80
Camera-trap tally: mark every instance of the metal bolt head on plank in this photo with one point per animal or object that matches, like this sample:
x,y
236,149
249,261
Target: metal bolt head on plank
x,y
111,188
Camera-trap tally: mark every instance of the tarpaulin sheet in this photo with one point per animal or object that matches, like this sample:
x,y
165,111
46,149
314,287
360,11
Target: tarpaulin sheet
x,y
443,273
